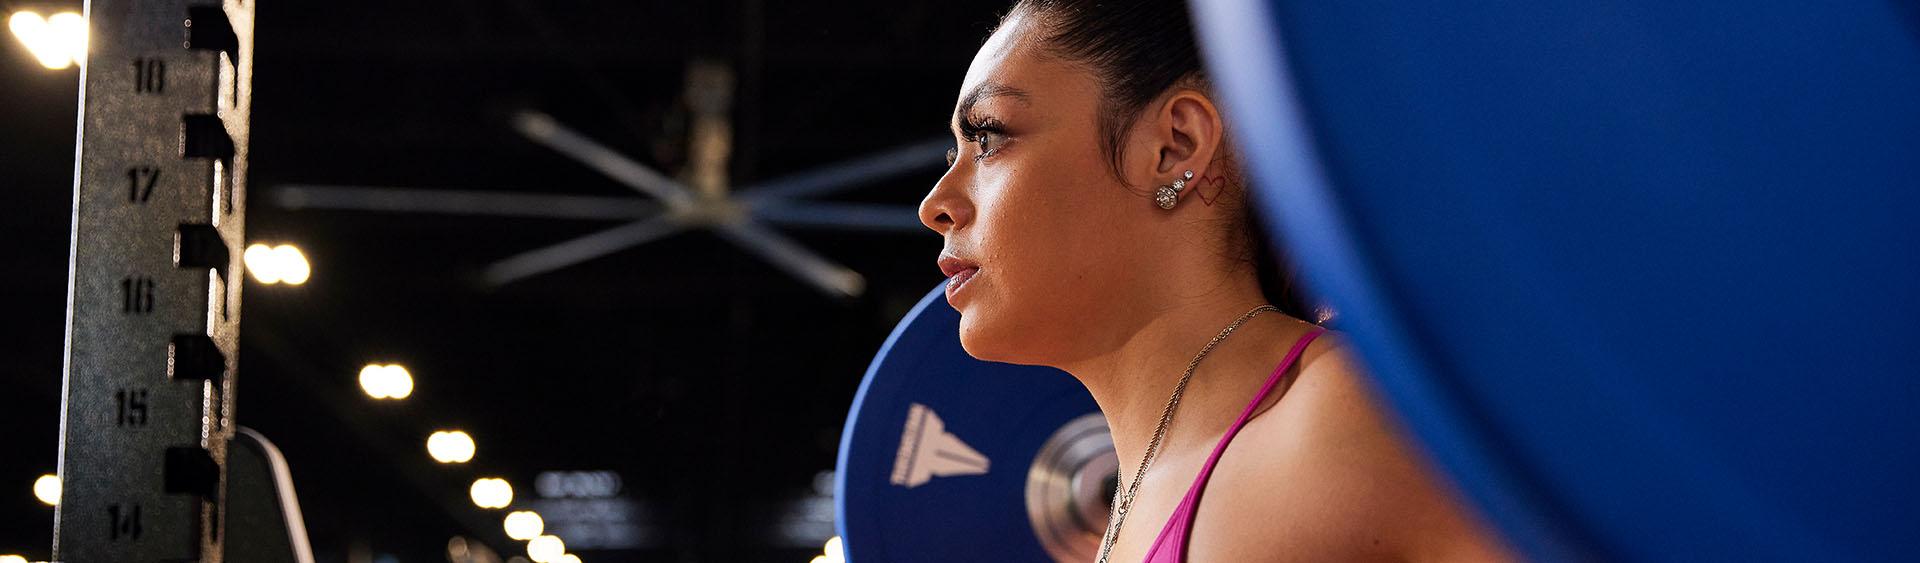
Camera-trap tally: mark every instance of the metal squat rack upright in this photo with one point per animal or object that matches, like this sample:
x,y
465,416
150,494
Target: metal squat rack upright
x,y
154,296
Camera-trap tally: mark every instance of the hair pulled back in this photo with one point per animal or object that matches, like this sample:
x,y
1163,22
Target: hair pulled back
x,y
1137,50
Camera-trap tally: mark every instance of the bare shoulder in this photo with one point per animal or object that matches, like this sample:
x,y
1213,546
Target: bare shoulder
x,y
1328,468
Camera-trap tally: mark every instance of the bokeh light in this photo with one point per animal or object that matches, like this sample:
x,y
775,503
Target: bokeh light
x,y
57,42
386,381
277,264
451,446
546,549
524,525
47,489
491,492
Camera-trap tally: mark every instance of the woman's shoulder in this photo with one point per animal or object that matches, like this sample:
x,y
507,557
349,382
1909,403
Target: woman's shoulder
x,y
1336,457
1326,398
1330,459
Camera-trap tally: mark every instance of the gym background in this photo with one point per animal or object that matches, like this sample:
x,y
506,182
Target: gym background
x,y
679,400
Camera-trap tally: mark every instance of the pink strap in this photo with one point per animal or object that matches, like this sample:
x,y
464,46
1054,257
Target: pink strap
x,y
1171,545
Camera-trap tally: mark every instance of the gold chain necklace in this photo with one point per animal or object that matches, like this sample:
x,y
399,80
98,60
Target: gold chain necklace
x,y
1121,503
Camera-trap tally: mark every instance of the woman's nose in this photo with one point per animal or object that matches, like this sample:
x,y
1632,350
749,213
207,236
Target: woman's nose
x,y
946,207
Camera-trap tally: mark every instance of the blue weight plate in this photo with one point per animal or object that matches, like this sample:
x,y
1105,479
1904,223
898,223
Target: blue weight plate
x,y
1641,275
934,459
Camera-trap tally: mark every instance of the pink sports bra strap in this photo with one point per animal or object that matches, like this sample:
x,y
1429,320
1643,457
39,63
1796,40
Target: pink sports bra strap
x,y
1171,545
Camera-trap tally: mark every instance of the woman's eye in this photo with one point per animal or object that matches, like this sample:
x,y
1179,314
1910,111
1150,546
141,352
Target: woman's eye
x,y
989,142
985,135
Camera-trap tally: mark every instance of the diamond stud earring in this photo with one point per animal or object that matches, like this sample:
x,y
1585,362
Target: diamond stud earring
x,y
1169,195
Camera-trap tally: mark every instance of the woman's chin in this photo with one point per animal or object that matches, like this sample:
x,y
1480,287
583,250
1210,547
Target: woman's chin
x,y
980,339
978,345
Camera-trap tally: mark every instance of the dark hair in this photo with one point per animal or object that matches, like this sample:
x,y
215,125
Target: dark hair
x,y
1138,50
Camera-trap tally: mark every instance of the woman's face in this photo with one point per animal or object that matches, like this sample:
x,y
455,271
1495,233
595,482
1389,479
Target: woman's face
x,y
1044,246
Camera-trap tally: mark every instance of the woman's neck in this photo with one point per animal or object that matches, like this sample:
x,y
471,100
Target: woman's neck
x,y
1132,378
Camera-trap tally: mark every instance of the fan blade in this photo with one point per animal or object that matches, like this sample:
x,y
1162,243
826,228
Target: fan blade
x,y
783,252
543,129
539,261
851,173
459,202
845,216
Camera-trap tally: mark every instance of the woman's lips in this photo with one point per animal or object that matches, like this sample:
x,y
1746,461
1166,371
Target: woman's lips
x,y
959,280
958,271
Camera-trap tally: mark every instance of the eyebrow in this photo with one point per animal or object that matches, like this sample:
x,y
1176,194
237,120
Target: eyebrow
x,y
987,90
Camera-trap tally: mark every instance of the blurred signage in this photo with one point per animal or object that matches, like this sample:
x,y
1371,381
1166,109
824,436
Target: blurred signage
x,y
577,484
585,509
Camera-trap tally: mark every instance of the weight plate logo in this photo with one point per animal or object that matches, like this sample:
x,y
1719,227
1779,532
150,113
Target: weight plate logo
x,y
927,450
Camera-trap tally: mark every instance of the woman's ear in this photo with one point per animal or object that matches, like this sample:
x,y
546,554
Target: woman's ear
x,y
1189,131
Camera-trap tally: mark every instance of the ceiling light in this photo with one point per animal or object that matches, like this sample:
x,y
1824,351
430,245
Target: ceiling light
x,y
57,42
524,525
491,493
546,549
47,489
451,446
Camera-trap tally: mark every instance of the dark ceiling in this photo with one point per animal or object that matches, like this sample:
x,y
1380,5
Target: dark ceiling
x,y
713,383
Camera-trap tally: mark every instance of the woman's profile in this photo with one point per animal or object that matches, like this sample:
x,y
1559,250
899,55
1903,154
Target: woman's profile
x,y
1095,220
